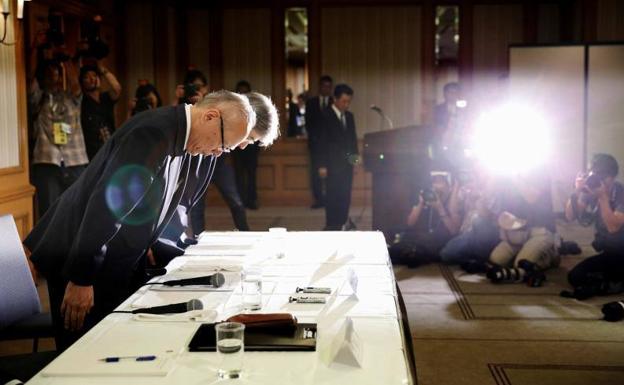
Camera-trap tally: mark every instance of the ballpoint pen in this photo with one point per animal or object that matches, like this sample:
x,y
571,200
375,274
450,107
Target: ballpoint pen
x,y
136,358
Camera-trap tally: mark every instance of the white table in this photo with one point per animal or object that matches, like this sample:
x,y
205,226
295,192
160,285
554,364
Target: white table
x,y
311,258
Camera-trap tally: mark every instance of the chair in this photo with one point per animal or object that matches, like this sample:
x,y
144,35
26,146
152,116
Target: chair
x,y
20,309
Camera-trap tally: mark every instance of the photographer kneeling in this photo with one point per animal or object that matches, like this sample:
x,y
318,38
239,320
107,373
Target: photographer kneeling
x,y
599,199
431,223
527,227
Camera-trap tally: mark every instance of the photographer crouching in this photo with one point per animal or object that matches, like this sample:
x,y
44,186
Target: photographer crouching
x,y
599,199
430,224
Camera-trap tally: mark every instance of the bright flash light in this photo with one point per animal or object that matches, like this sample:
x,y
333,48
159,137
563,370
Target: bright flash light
x,y
512,139
461,103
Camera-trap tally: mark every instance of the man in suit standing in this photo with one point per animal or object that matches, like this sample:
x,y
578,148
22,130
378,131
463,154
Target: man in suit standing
x,y
314,126
340,154
92,243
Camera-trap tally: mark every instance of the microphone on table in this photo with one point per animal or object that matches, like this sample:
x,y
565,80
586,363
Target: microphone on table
x,y
215,280
181,307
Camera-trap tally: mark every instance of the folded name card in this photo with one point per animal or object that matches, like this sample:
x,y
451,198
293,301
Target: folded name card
x,y
346,348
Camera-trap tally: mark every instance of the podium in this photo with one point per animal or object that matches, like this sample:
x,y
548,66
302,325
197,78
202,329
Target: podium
x,y
400,162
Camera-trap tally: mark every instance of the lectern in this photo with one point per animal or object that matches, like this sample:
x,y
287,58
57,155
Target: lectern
x,y
399,162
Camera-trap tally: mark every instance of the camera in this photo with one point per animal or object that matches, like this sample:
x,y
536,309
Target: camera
x,y
464,177
142,104
94,47
593,181
190,90
428,195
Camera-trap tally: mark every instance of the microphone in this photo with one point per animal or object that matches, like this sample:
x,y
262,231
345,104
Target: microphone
x,y
383,116
181,307
215,280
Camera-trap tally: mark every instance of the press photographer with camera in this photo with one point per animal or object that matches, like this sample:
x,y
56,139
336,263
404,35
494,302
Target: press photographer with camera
x,y
478,234
599,199
433,220
59,154
527,230
98,106
146,98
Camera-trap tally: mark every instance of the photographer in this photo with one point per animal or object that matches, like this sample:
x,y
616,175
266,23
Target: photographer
x,y
599,199
146,98
478,234
527,227
97,108
59,154
433,220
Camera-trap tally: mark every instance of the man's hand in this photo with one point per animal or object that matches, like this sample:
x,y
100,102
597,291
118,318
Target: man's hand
x,y
77,302
322,172
602,193
579,182
150,257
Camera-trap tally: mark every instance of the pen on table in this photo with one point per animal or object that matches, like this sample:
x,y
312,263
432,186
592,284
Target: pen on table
x,y
136,358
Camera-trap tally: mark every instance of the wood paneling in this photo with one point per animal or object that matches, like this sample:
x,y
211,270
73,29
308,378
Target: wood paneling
x,y
283,178
15,191
198,32
548,24
495,27
377,51
610,20
138,51
9,134
247,48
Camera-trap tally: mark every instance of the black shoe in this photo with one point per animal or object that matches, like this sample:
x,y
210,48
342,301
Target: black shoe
x,y
317,205
252,206
475,267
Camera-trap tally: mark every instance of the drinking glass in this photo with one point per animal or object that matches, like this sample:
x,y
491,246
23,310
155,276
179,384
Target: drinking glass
x,y
252,287
230,348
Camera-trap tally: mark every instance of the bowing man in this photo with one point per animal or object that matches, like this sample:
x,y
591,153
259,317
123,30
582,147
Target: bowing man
x,y
91,244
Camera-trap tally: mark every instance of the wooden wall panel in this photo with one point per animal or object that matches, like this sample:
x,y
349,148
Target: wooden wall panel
x,y
610,20
15,190
377,51
548,23
198,39
139,48
494,28
247,48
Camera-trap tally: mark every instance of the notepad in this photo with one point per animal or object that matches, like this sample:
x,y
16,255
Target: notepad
x,y
301,339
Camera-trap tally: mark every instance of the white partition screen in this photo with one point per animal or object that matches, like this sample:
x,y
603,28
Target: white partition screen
x,y
552,79
605,103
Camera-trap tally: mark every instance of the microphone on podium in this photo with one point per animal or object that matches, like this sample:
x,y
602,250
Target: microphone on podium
x,y
383,116
181,307
215,280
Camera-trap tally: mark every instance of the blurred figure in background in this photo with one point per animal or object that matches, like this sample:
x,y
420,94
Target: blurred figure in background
x,y
246,163
146,98
296,116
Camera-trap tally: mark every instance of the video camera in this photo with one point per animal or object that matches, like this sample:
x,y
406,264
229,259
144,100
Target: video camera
x,y
92,45
52,48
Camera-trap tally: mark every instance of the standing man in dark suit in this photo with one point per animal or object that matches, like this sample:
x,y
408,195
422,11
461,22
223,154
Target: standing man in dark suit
x,y
340,154
92,243
314,126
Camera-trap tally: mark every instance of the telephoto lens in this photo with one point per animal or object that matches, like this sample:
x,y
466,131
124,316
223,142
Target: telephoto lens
x,y
593,181
613,311
499,274
428,195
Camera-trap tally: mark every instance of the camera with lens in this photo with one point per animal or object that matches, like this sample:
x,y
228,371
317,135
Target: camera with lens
x,y
429,196
53,46
92,44
190,90
593,181
142,104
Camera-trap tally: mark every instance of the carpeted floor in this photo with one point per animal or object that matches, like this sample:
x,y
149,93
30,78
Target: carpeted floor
x,y
468,331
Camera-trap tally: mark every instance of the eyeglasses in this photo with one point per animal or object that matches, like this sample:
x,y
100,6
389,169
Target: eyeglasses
x,y
223,148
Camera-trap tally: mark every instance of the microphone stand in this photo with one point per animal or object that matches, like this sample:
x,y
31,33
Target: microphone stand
x,y
383,117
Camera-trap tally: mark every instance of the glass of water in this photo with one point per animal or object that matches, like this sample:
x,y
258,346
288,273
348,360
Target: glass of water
x,y
278,237
252,287
230,348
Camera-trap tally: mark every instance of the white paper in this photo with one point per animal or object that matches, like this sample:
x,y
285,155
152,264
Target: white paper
x,y
347,346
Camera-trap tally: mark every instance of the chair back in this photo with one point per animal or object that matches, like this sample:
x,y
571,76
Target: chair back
x,y
18,294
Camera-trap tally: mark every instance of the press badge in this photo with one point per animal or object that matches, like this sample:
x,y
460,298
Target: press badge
x,y
61,130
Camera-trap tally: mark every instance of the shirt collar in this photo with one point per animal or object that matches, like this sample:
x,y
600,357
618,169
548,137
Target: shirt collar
x,y
337,111
187,111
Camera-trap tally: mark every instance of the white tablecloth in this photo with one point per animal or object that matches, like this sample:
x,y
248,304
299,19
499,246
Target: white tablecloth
x,y
290,260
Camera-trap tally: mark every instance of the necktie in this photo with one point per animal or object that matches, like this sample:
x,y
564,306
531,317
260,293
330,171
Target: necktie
x,y
324,103
343,120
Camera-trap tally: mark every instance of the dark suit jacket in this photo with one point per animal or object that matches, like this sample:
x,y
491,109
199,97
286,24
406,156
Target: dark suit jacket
x,y
99,229
314,119
172,241
338,144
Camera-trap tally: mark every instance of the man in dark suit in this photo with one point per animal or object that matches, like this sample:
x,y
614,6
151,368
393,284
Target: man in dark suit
x,y
314,126
91,245
180,232
340,154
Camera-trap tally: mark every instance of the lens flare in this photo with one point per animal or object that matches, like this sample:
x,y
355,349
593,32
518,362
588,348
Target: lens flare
x,y
133,195
511,139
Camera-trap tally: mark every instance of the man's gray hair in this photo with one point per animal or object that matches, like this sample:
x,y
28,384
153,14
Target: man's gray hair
x,y
226,101
267,120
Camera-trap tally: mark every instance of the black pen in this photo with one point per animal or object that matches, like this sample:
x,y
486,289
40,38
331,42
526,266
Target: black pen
x,y
136,358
